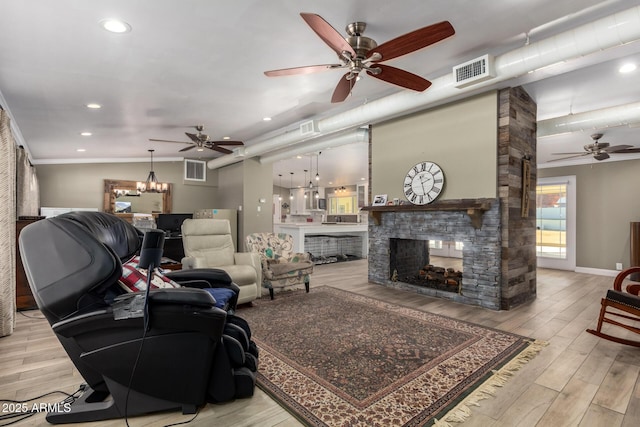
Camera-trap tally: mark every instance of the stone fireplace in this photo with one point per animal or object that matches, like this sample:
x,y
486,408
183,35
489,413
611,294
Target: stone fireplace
x,y
499,257
476,223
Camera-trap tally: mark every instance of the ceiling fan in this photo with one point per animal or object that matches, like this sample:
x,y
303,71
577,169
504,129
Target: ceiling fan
x,y
358,53
201,141
599,150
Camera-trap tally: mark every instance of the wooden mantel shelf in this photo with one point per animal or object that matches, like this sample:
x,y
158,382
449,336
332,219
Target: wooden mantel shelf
x,y
474,208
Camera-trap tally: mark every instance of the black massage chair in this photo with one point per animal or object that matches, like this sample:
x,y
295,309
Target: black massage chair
x,y
183,353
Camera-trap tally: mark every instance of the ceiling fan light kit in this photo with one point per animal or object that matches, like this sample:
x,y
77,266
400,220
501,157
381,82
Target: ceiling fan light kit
x,y
358,53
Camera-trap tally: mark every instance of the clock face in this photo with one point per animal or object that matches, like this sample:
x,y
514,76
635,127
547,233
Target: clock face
x,y
423,183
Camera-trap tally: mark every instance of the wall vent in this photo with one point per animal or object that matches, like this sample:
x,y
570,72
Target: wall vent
x,y
195,170
309,128
474,71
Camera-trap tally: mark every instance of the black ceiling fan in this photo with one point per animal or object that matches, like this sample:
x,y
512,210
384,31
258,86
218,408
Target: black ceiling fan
x,y
599,150
201,141
358,53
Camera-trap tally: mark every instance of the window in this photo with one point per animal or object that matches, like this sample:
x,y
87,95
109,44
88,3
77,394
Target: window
x,y
340,205
556,222
551,220
435,244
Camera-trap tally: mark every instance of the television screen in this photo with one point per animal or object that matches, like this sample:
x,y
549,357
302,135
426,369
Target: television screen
x,y
171,223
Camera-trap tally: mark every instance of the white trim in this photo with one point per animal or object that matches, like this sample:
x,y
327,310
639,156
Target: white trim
x,y
597,271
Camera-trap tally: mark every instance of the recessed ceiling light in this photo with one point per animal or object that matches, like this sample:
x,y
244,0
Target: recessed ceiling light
x,y
94,106
627,68
266,119
115,26
226,137
200,149
81,150
86,133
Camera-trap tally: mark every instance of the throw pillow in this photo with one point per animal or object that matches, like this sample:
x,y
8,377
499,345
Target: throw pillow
x,y
134,279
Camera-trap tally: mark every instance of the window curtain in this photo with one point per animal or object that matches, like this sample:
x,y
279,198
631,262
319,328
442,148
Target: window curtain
x,y
7,226
27,188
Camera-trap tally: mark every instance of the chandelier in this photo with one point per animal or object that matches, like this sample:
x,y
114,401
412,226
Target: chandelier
x,y
151,185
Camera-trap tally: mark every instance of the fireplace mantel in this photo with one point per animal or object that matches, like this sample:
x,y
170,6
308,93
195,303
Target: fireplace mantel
x,y
475,208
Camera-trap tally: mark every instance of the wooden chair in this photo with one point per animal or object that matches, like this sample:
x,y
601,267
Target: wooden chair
x,y
627,305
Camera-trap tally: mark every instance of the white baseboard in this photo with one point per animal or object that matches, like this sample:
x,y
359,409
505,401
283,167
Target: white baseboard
x,y
597,271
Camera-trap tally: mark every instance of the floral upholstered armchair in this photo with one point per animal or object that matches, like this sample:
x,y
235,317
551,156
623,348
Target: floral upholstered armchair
x,y
280,265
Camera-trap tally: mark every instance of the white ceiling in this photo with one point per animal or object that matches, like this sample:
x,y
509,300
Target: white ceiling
x,y
202,62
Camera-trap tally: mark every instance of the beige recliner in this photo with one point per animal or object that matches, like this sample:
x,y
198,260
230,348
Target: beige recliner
x,y
208,244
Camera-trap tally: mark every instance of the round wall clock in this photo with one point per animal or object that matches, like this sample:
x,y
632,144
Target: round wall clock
x,y
423,183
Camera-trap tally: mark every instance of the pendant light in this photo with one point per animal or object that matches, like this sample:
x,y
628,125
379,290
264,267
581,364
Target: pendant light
x,y
310,170
279,187
291,186
317,169
151,185
305,180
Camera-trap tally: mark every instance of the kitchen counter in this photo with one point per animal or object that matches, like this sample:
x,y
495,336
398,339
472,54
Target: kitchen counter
x,y
301,230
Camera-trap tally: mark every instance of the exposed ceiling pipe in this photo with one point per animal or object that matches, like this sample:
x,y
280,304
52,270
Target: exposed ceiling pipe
x,y
356,136
620,115
608,32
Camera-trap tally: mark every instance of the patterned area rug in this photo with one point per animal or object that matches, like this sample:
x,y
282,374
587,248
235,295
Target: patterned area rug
x,y
334,358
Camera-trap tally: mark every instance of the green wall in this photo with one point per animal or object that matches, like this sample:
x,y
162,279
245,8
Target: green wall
x,y
82,185
607,202
460,137
244,185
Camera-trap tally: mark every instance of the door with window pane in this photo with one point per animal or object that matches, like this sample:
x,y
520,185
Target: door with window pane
x,y
555,222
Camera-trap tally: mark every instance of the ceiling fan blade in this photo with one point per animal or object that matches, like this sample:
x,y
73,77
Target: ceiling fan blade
x,y
188,148
413,41
400,77
628,151
569,157
219,149
616,148
601,156
328,34
301,70
343,89
226,142
166,140
192,136
583,153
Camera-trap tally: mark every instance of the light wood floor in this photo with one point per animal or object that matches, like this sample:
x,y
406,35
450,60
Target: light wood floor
x,y
577,380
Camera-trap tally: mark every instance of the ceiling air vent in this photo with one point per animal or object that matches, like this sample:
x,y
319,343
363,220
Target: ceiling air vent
x,y
309,128
474,71
195,170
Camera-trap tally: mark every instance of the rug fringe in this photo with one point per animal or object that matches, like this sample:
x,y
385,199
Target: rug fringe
x,y
461,411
